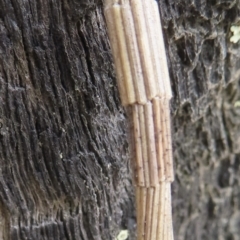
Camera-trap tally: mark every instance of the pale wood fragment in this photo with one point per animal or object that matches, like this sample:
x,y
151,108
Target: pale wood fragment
x,y
134,56
166,138
166,224
170,232
115,50
150,20
158,137
161,211
149,212
144,50
144,72
169,139
138,146
161,50
128,81
144,145
151,147
154,212
156,205
141,197
168,214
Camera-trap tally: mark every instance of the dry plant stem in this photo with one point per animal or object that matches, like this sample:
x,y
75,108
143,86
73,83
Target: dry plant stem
x,y
161,212
156,204
153,44
149,212
136,40
116,9
141,197
158,138
170,232
153,160
144,145
152,141
116,52
169,137
152,157
134,56
138,147
143,43
161,50
137,44
166,127
154,212
165,226
168,214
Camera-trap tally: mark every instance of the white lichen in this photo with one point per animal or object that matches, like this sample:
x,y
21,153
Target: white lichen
x,y
123,235
237,104
236,34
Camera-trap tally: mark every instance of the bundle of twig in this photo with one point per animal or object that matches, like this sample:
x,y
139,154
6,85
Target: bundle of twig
x,y
137,44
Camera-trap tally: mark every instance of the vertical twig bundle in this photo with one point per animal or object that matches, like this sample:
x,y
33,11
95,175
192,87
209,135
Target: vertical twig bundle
x,y
137,44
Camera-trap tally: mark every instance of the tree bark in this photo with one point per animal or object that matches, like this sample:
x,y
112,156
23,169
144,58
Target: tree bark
x,y
64,159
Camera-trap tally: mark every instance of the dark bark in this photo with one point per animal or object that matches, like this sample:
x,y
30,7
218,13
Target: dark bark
x,y
64,171
64,163
204,68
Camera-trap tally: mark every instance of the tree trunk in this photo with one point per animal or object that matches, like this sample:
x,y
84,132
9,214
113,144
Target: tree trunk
x,y
64,160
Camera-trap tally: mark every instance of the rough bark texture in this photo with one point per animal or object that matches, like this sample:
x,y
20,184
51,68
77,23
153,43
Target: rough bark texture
x,y
64,172
204,68
64,164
